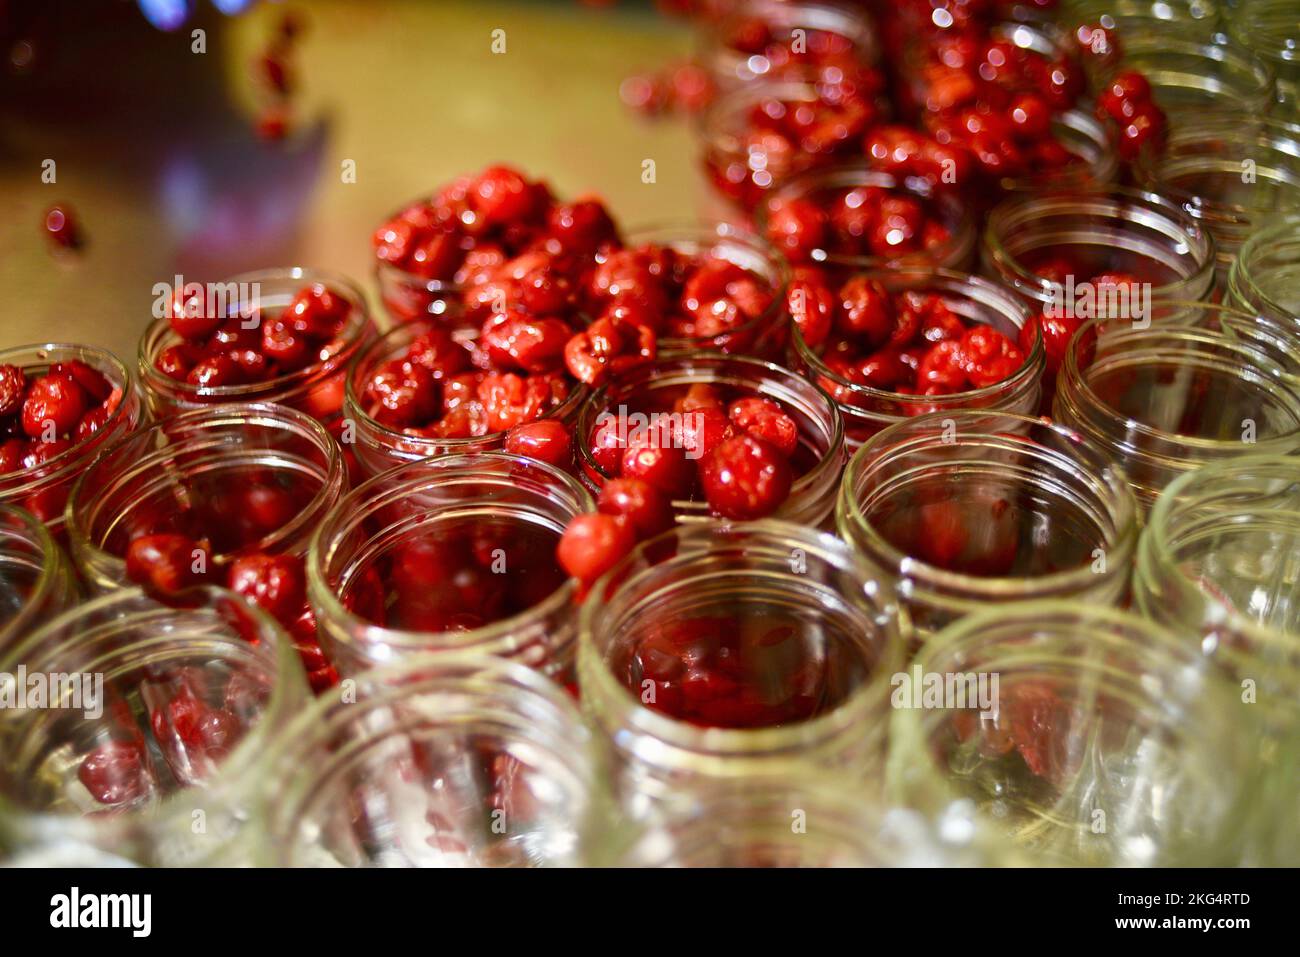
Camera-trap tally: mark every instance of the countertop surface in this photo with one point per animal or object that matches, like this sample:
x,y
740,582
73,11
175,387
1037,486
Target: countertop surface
x,y
154,145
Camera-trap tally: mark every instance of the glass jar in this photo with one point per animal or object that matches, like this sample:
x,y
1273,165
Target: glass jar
x,y
650,390
378,447
1271,29
1216,564
43,490
1118,230
678,707
969,509
220,474
867,410
1228,173
1265,276
795,821
744,164
150,742
1277,340
1137,19
458,761
824,186
1165,400
456,553
316,389
1105,744
764,336
36,581
1192,76
831,32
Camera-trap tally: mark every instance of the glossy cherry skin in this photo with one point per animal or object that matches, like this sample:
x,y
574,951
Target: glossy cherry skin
x,y
592,544
746,478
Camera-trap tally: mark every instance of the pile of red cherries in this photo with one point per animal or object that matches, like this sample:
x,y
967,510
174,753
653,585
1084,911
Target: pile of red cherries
x,y
219,351
42,416
909,342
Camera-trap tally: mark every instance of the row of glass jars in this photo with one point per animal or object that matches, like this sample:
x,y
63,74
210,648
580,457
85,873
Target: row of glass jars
x,y
1087,735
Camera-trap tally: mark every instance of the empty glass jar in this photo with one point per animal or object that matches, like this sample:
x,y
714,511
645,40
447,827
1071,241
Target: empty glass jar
x,y
149,734
719,652
1109,742
970,509
444,761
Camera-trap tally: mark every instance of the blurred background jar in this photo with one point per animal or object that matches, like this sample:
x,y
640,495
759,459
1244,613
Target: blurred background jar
x,y
795,821
1229,173
453,554
458,762
719,652
766,131
1217,566
866,409
1197,18
772,38
1111,742
43,481
1029,241
151,742
1271,29
36,580
1191,76
970,509
240,479
316,388
1165,400
1266,273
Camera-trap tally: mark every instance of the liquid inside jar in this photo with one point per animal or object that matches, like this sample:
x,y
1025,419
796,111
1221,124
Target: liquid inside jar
x,y
730,664
455,573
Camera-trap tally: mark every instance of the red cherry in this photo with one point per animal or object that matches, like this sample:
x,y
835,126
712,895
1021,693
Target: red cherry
x,y
13,452
92,381
114,773
942,369
13,388
316,312
165,563
402,393
547,441
92,422
284,346
608,347
592,544
764,419
666,468
213,372
1057,331
527,343
53,399
700,430
1030,116
812,306
865,311
189,317
61,227
500,196
988,356
274,582
797,228
746,478
581,227
646,508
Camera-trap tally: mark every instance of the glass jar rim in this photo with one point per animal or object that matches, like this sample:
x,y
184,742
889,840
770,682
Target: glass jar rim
x,y
597,680
192,423
381,350
1123,536
1029,371
355,332
1252,359
1244,284
827,16
1112,200
274,649
495,635
58,467
651,373
1156,546
51,564
1222,50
